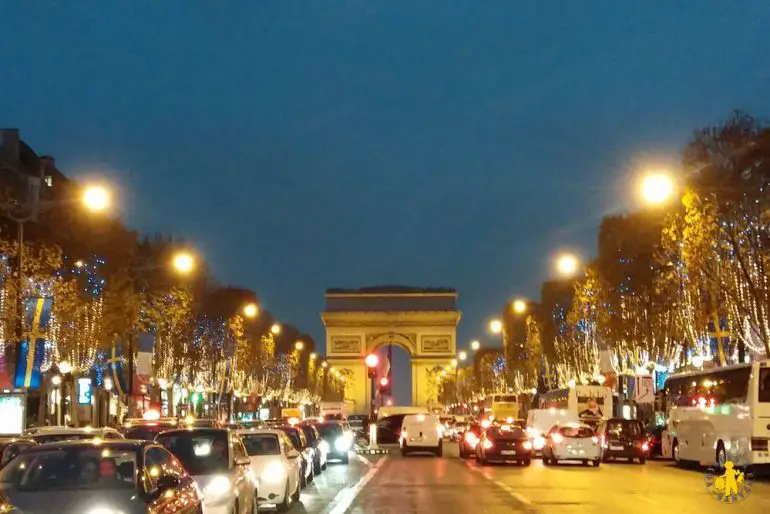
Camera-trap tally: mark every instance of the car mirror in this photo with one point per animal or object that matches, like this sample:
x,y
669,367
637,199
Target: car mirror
x,y
167,482
242,461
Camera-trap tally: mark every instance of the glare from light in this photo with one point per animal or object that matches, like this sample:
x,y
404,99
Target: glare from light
x,y
496,326
519,306
475,345
372,360
657,188
108,384
299,346
313,356
96,198
324,364
462,356
183,262
65,367
56,380
571,383
567,264
454,363
275,329
250,310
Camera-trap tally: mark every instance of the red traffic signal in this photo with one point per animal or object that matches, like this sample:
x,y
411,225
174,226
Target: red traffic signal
x,y
384,382
384,387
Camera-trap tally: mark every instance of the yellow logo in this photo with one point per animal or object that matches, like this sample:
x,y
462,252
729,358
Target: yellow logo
x,y
729,484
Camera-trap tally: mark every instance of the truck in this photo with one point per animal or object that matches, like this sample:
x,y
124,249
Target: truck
x,y
336,411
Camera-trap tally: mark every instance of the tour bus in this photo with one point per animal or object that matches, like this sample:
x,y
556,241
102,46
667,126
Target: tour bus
x,y
590,402
720,414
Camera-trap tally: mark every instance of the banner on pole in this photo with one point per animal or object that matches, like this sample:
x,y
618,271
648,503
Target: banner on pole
x,y
32,348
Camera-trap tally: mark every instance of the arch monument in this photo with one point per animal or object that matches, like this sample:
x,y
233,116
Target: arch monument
x,y
422,321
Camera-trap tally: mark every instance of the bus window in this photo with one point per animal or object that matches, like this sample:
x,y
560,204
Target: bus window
x,y
764,385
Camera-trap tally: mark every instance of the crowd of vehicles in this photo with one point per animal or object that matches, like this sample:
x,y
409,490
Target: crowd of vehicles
x,y
164,465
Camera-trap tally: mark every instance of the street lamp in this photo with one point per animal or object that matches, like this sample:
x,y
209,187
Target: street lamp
x,y
183,262
657,188
567,264
496,326
462,356
371,362
96,198
251,310
299,346
312,356
324,364
475,345
519,306
275,329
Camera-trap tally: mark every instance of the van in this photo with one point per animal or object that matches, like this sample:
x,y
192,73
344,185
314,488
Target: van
x,y
421,433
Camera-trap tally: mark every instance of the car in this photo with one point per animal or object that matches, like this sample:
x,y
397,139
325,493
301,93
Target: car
x,y
147,429
219,464
320,447
504,443
421,433
469,438
299,442
10,447
56,434
572,442
76,477
623,438
277,464
339,442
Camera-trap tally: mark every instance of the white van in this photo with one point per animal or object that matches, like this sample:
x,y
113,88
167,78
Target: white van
x,y
421,433
541,421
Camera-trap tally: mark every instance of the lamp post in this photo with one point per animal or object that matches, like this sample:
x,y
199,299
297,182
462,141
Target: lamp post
x,y
93,198
182,263
371,362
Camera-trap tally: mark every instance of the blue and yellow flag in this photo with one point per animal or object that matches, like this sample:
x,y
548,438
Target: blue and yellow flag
x,y
115,368
719,340
32,349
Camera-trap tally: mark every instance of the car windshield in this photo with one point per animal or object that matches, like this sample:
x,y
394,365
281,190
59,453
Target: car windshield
x,y
77,467
200,452
626,428
55,438
261,444
576,432
294,436
329,430
146,432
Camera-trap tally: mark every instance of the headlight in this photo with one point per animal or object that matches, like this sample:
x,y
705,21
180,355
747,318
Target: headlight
x,y
217,488
342,444
273,473
324,446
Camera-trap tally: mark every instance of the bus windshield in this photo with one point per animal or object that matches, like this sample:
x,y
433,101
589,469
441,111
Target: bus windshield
x,y
505,398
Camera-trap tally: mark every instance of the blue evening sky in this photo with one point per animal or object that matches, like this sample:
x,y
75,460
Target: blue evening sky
x,y
313,144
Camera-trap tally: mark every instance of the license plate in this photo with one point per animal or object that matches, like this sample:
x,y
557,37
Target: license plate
x,y
508,452
616,448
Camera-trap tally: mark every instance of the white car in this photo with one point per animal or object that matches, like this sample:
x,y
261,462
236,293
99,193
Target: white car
x,y
277,465
421,433
572,442
217,461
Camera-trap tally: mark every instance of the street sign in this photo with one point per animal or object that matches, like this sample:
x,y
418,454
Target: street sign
x,y
644,391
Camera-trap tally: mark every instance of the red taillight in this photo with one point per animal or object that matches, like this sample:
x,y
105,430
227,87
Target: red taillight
x,y
487,444
471,438
645,447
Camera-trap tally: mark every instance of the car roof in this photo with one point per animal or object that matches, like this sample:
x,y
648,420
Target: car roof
x,y
72,430
256,431
198,430
125,444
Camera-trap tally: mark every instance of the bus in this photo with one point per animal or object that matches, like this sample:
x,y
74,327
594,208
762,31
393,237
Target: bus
x,y
720,414
504,408
590,402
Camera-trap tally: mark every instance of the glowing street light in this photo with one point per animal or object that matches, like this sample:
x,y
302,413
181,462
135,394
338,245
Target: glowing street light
x,y
324,364
312,356
372,360
519,306
96,198
183,262
275,329
657,188
462,356
475,345
496,326
299,346
567,264
65,367
454,363
251,310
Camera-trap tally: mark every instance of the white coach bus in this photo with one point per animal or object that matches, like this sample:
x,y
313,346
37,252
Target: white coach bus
x,y
590,402
720,414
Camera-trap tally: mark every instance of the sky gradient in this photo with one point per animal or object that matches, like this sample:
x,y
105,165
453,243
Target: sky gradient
x,y
305,145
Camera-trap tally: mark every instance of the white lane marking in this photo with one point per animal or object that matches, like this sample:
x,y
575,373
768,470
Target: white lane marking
x,y
365,460
508,489
344,499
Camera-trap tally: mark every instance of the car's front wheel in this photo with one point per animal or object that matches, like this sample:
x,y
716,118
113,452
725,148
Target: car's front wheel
x,y
284,505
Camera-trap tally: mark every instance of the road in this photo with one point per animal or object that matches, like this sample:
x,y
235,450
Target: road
x,y
398,485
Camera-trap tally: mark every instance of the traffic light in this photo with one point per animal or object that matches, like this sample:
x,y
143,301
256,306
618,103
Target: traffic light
x,y
384,386
371,365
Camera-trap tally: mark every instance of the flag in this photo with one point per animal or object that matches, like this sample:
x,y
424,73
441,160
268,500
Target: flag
x,y
32,348
115,368
719,339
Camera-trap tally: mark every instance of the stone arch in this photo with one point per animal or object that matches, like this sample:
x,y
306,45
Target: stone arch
x,y
406,341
